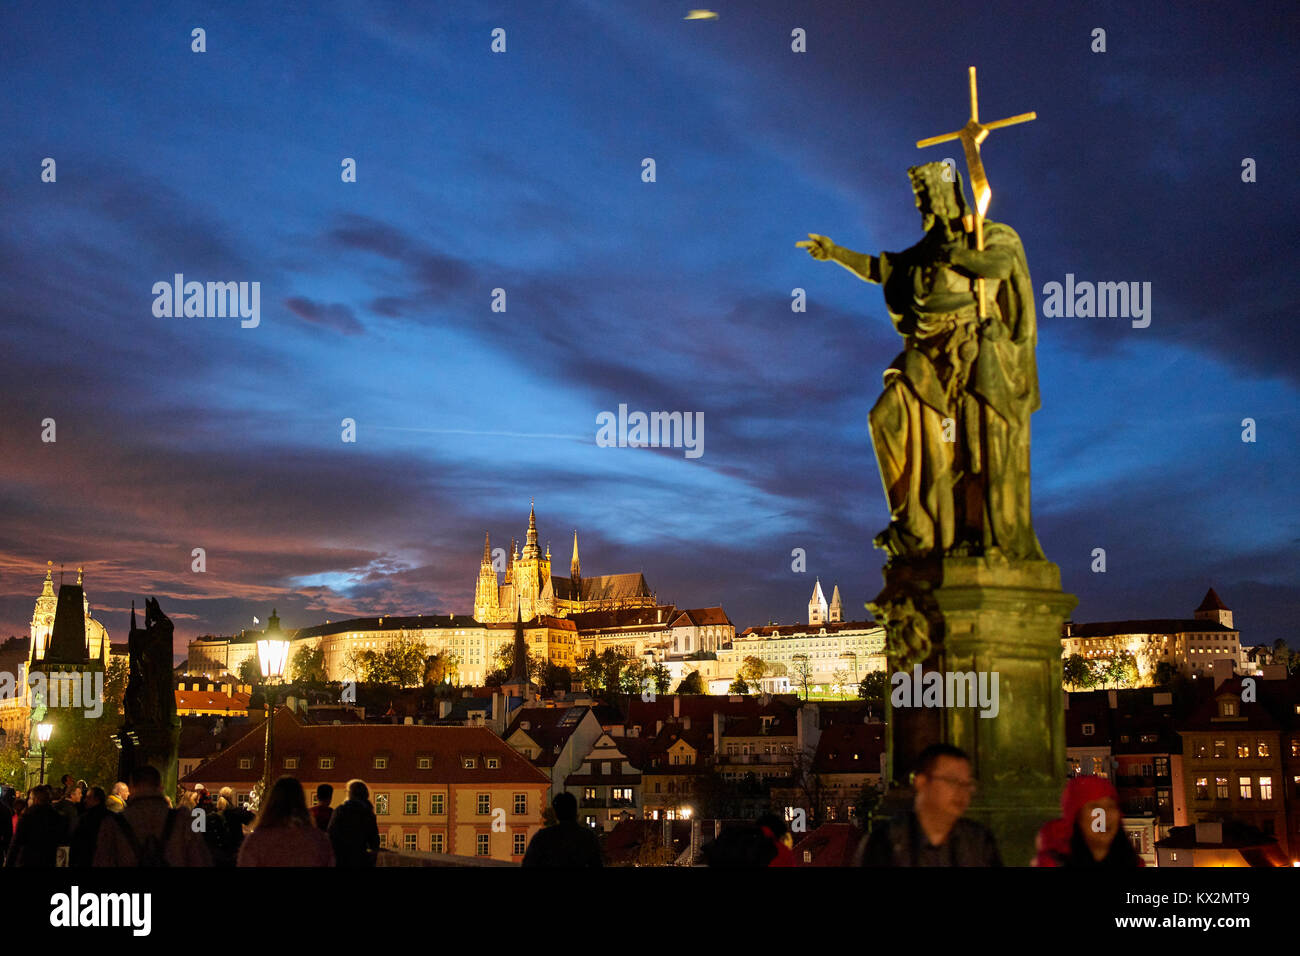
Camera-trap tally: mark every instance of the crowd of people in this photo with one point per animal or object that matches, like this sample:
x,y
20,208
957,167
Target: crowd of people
x,y
136,824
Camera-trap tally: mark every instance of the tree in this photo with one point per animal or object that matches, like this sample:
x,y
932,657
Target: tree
x,y
1120,669
867,805
249,671
692,683
738,686
875,686
555,677
662,678
1164,674
1076,671
13,768
505,658
840,678
802,673
82,745
752,671
308,665
440,669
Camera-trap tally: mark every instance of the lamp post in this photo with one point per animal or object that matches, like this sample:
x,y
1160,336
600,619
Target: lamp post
x,y
271,655
43,731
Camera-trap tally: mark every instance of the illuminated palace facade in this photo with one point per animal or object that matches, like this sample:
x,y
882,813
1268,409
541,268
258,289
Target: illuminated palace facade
x,y
530,590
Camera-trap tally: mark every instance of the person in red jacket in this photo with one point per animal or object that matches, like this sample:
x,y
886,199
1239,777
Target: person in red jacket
x,y
1089,830
775,830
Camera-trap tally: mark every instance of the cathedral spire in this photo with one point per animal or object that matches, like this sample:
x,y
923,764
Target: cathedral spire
x,y
487,549
575,567
48,589
530,545
133,614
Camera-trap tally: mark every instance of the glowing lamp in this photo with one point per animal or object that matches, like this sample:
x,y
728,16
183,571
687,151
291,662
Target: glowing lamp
x,y
271,655
43,731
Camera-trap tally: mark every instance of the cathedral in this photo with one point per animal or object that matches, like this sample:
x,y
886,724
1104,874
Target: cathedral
x,y
530,590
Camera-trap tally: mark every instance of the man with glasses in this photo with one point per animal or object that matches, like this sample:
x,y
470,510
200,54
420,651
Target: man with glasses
x,y
934,832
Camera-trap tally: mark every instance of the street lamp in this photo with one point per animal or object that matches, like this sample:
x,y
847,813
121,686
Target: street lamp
x,y
271,655
43,731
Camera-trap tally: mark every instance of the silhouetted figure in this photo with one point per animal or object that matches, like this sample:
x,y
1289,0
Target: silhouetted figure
x,y
353,829
6,820
149,832
41,830
284,833
85,837
934,832
233,819
1089,831
743,846
568,843
322,812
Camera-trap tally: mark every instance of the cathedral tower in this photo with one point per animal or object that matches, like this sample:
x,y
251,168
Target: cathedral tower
x,y
817,610
837,607
485,591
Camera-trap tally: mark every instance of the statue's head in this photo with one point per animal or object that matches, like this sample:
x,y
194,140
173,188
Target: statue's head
x,y
939,194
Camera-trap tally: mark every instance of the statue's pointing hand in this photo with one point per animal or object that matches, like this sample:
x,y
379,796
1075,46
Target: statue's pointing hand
x,y
819,247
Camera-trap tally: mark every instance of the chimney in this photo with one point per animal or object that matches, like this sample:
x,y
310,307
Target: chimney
x,y
1211,832
677,705
444,708
717,731
1112,698
686,723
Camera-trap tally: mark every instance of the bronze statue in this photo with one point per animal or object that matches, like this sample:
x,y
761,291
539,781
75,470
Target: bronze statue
x,y
951,430
150,729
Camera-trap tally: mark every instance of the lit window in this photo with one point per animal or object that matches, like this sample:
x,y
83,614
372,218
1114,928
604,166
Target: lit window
x,y
381,804
1243,750
1220,748
424,763
469,763
326,763
1261,748
1266,788
1202,788
381,763
484,804
493,763
1221,788
1244,783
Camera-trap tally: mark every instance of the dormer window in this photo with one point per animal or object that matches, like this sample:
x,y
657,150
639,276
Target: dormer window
x,y
469,763
1089,730
493,763
381,763
1228,708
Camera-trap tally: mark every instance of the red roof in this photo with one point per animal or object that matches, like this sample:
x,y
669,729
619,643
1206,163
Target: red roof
x,y
831,844
354,748
1212,602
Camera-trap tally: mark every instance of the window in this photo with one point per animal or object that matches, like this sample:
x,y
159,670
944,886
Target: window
x,y
1244,783
1220,748
1243,749
493,763
383,841
1266,788
381,804
484,804
521,804
423,763
589,793
326,763
1261,748
409,841
245,763
521,844
593,822
411,804
1229,708
1221,788
436,843
1162,766
381,763
290,763
1295,747
1162,798
1200,748
1098,767
1202,788
1089,730
481,844
468,763
623,793
435,805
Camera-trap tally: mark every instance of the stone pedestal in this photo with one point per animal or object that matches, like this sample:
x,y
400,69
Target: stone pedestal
x,y
991,615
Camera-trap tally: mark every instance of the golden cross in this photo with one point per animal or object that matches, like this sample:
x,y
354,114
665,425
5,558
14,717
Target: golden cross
x,y
971,135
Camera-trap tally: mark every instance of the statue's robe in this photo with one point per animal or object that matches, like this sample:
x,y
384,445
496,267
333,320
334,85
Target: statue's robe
x,y
973,489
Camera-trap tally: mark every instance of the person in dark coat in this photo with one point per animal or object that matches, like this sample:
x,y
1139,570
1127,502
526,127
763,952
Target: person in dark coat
x,y
568,843
69,804
322,812
774,829
40,832
85,836
1088,832
354,830
6,820
935,831
228,834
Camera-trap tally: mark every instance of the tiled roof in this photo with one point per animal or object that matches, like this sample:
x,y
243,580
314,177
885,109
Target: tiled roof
x,y
850,748
386,623
604,587
211,700
698,707
354,747
812,630
702,617
1151,626
831,844
548,727
639,617
1212,602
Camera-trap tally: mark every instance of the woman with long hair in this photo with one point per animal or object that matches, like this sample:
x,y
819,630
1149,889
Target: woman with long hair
x,y
284,833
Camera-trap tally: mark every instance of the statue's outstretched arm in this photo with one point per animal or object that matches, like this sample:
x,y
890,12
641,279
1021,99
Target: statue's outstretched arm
x,y
863,266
